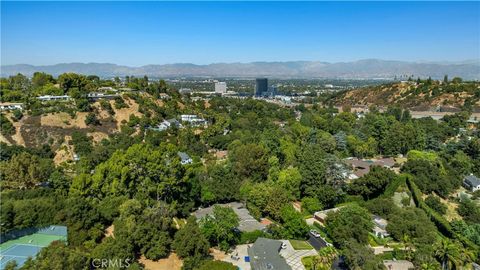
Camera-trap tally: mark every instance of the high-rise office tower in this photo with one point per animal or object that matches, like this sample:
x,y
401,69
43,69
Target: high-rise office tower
x,y
261,86
220,87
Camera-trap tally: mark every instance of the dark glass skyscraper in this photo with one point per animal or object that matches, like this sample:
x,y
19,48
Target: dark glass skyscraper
x,y
261,86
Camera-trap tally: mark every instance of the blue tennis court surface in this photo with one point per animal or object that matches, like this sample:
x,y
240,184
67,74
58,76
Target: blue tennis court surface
x,y
22,248
19,253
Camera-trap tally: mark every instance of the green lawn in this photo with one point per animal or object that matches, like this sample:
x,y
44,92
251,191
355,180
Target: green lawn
x,y
300,245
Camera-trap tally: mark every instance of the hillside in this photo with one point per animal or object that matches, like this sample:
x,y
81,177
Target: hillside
x,y
422,95
56,127
368,68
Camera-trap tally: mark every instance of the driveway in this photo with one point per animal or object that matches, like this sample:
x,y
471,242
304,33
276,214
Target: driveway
x,y
240,251
317,243
294,257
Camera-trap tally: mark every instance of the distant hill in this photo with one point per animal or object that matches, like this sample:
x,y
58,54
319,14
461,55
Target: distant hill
x,y
362,69
413,95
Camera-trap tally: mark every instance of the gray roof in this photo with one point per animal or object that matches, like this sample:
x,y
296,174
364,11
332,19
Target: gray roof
x,y
184,156
264,255
246,222
472,180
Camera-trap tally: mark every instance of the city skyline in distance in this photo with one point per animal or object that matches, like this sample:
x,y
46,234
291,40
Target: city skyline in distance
x,y
137,34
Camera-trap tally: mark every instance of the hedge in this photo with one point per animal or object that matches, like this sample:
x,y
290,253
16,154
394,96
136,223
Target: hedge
x,y
442,224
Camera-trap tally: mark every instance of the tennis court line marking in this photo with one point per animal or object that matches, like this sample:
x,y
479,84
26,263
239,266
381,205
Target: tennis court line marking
x,y
14,245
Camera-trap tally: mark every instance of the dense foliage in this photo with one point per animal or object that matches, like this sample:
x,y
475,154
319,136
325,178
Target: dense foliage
x,y
268,156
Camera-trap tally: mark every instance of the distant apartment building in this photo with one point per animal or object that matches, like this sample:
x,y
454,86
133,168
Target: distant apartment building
x,y
261,86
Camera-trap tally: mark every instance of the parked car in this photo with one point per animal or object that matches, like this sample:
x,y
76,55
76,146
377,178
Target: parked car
x,y
284,245
314,233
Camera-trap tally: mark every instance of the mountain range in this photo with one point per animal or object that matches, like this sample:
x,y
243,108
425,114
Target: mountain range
x,y
362,69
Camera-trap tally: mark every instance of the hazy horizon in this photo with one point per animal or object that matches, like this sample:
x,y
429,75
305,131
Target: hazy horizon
x,y
440,62
143,33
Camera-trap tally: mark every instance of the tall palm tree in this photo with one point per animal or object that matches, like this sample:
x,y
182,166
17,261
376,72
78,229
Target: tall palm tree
x,y
449,254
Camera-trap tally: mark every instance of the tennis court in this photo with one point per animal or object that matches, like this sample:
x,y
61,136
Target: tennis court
x,y
29,245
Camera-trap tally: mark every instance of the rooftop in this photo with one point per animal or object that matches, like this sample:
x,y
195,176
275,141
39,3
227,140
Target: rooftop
x,y
362,166
473,180
264,255
246,224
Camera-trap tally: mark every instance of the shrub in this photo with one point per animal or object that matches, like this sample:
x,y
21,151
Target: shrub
x,y
91,119
435,203
7,127
310,205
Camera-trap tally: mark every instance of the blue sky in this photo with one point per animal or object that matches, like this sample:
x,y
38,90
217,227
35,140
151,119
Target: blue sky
x,y
140,33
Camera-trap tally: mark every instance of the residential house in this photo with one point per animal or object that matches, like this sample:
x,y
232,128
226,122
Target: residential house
x,y
53,98
264,254
472,183
247,223
7,106
166,124
322,215
97,96
380,226
362,166
184,158
164,96
193,120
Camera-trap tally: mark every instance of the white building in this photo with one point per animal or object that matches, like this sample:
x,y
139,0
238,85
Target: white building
x,y
193,120
188,117
51,98
7,106
220,87
380,226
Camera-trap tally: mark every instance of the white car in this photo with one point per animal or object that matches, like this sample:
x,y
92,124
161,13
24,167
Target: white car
x,y
284,245
314,233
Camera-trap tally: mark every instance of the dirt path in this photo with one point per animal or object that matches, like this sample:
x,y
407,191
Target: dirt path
x,y
170,263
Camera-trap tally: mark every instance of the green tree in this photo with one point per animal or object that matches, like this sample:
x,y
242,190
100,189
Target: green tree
x,y
435,203
91,119
6,125
293,223
250,161
25,170
219,227
216,265
59,256
189,240
372,184
290,179
349,222
311,205
358,257
40,79
414,223
448,253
